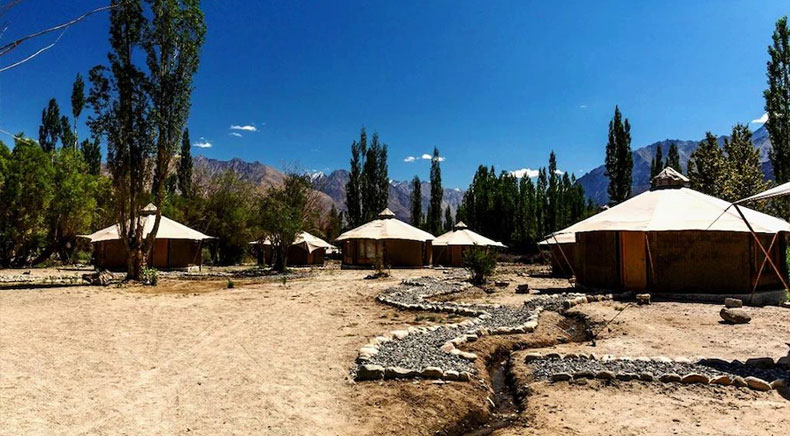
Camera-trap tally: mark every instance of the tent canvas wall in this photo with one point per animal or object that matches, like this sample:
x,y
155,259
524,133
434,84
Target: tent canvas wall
x,y
387,240
448,249
175,246
562,253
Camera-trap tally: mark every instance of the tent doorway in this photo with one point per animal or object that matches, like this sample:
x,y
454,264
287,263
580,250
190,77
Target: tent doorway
x,y
633,261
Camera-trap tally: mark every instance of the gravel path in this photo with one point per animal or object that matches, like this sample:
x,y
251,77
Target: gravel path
x,y
422,348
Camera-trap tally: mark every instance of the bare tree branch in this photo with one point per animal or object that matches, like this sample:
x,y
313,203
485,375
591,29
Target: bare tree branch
x,y
14,44
41,50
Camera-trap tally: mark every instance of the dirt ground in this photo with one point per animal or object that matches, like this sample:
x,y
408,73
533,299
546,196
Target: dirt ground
x,y
195,358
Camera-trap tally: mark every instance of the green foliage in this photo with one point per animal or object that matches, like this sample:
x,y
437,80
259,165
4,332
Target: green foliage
x,y
354,185
777,106
77,98
673,158
480,262
706,167
283,213
416,202
743,174
334,224
374,181
434,216
149,276
185,165
230,284
91,152
619,159
657,164
50,129
228,211
448,219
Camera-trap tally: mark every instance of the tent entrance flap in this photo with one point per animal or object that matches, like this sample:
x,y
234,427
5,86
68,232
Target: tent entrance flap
x,y
633,261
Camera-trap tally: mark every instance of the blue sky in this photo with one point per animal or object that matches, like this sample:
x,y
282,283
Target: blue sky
x,y
498,83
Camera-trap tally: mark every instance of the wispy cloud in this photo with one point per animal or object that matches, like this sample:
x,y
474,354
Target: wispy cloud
x,y
426,156
530,173
762,120
409,159
559,172
246,127
236,134
582,106
202,143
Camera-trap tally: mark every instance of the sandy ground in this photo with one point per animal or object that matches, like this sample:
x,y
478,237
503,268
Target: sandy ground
x,y
192,357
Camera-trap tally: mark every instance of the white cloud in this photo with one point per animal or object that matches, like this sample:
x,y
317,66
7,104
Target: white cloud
x,y
246,127
762,120
409,159
582,106
440,158
236,134
559,172
202,143
426,156
530,173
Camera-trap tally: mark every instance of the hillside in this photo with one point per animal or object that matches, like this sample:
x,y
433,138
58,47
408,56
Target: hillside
x,y
595,182
331,188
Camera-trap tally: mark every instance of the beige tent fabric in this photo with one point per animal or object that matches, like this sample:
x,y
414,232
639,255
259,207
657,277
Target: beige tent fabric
x,y
168,229
386,227
310,242
779,191
676,209
461,235
559,238
669,177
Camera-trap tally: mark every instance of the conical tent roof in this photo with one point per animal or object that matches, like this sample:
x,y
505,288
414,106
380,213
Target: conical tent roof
x,y
386,227
675,209
462,236
168,229
310,242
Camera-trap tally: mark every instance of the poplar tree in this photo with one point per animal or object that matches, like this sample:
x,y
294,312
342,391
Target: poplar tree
x,y
673,158
552,194
77,101
374,180
619,160
434,218
91,152
706,167
185,166
354,185
50,130
448,219
657,164
777,106
743,174
416,202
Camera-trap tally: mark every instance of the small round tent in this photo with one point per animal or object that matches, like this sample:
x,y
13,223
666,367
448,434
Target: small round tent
x,y
448,249
307,249
386,241
675,240
175,246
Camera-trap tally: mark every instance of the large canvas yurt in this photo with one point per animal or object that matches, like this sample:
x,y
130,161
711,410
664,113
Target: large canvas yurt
x,y
175,246
448,249
387,240
676,240
307,249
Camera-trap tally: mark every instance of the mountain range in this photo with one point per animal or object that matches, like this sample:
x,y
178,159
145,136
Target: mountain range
x,y
595,182
330,189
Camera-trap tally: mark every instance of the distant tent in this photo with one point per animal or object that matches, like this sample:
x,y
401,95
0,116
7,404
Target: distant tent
x,y
175,246
307,249
388,241
673,239
448,248
562,250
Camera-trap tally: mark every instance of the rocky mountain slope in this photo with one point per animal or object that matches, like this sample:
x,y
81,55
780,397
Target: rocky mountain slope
x,y
595,182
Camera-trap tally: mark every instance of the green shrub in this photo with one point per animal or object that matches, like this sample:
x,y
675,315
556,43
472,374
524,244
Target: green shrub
x,y
150,276
480,262
231,285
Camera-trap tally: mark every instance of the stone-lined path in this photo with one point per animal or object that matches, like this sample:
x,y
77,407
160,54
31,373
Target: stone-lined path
x,y
431,352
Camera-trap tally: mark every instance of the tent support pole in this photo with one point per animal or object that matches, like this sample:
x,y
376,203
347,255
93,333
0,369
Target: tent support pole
x,y
762,266
570,267
650,256
767,255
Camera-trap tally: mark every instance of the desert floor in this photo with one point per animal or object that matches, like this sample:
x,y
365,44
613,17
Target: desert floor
x,y
193,357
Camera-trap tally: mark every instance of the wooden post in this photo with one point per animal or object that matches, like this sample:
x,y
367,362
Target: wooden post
x,y
767,255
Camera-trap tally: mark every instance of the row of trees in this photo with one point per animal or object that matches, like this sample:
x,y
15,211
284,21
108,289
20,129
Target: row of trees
x,y
367,190
431,221
519,212
658,163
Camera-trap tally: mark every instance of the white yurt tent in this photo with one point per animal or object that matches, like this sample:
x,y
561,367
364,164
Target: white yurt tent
x,y
448,248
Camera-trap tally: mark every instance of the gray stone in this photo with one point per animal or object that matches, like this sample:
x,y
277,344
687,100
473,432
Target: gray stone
x,y
627,376
643,299
695,378
522,288
605,375
451,375
778,384
735,316
760,362
531,357
739,382
758,384
464,376
732,303
561,376
783,362
370,372
99,278
584,374
398,373
669,378
646,377
501,284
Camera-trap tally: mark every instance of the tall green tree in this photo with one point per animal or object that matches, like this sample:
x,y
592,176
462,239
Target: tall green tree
x,y
77,100
416,202
706,167
448,219
434,218
552,194
354,185
673,158
777,106
50,130
141,109
619,159
374,180
68,137
91,152
743,174
229,206
185,165
657,164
